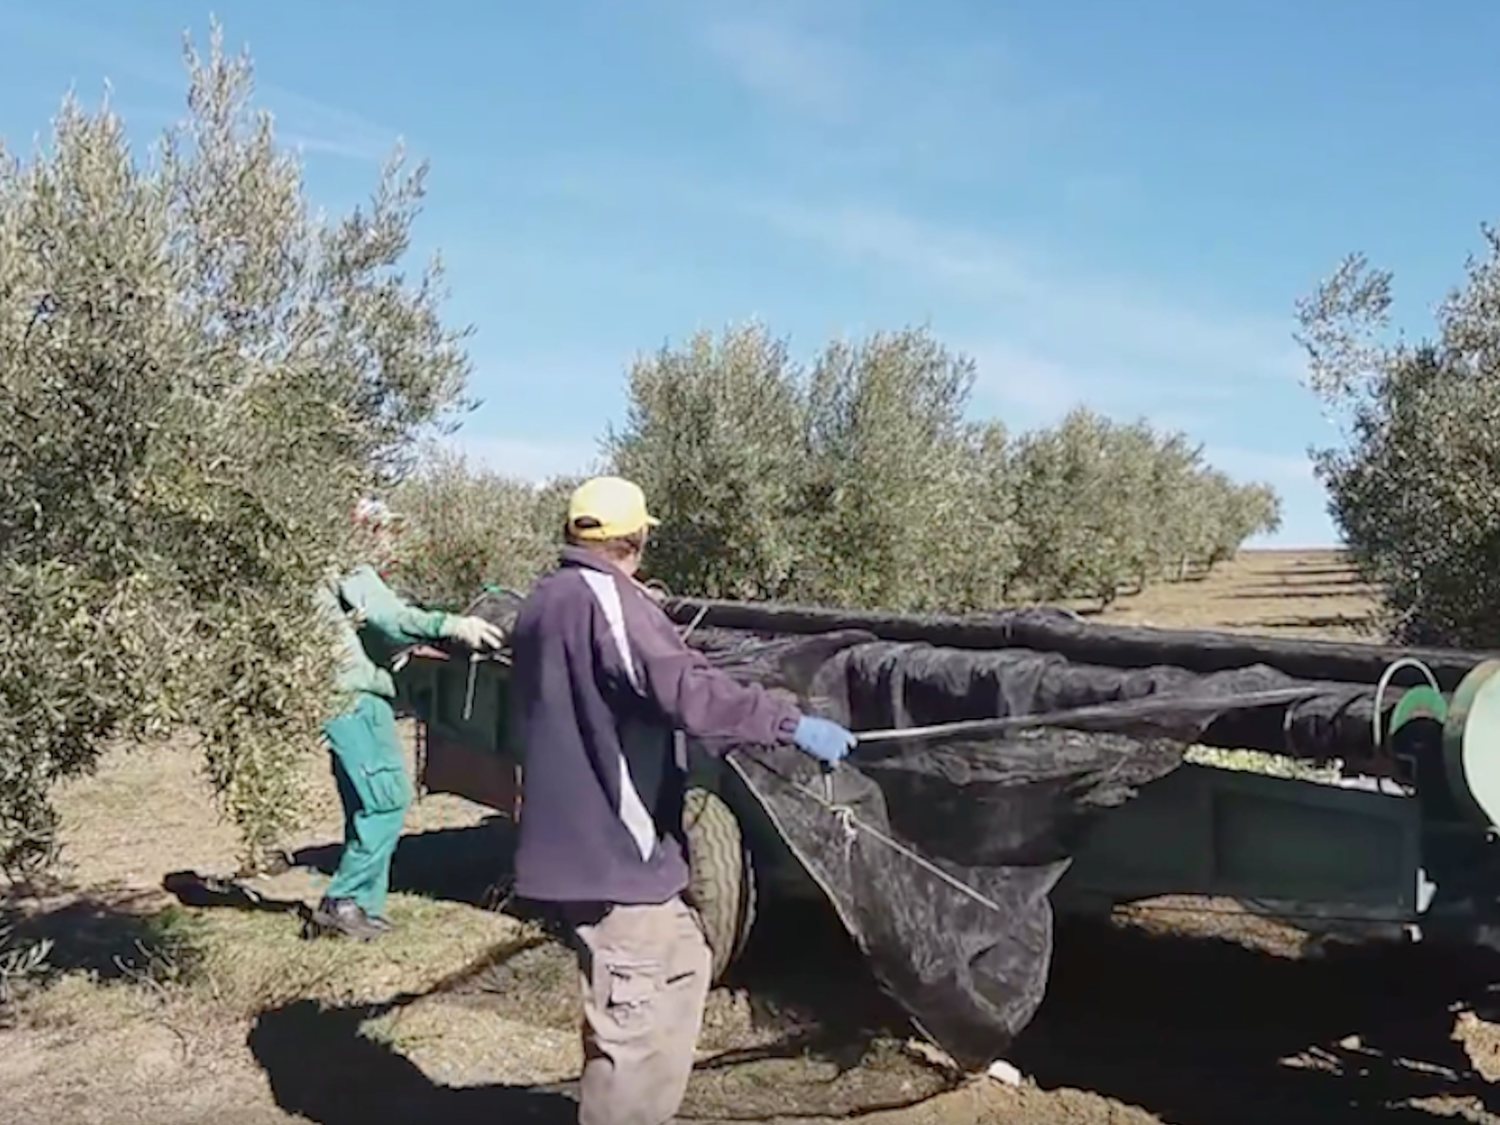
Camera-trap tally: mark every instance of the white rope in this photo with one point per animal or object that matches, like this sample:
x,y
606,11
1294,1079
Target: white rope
x,y
698,620
852,825
469,690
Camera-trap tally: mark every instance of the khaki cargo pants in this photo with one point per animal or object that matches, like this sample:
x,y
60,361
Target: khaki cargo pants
x,y
644,973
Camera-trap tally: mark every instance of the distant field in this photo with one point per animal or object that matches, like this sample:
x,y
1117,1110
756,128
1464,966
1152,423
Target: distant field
x,y
1284,593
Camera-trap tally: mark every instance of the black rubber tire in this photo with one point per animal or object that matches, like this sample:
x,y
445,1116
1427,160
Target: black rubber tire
x,y
723,878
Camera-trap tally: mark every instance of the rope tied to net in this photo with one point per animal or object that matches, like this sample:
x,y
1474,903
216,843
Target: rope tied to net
x,y
851,825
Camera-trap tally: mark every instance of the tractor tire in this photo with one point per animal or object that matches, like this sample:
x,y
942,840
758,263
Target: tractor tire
x,y
722,885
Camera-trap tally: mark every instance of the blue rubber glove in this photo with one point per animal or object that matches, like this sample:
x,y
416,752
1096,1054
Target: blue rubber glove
x,y
823,739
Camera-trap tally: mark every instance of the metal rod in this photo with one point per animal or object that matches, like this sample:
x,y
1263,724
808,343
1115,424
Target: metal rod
x,y
1141,708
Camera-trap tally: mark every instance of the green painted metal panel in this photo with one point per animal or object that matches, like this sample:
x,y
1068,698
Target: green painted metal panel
x,y
1208,831
462,699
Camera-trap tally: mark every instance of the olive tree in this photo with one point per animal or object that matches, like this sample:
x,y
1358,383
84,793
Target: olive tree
x,y
1412,486
1080,494
465,528
1246,511
1104,507
198,376
715,433
854,480
1176,498
860,480
891,473
980,567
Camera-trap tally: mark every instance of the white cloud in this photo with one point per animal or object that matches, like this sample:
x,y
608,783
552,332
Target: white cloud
x,y
874,106
321,127
1037,389
1097,191
879,235
1304,502
1118,316
784,63
957,107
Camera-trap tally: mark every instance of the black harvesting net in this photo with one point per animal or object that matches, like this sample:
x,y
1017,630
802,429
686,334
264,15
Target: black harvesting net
x,y
939,849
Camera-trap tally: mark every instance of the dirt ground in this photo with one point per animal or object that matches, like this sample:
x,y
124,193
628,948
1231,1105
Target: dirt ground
x,y
1281,593
179,996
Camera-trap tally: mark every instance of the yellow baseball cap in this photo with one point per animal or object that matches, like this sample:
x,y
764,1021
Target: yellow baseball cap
x,y
608,508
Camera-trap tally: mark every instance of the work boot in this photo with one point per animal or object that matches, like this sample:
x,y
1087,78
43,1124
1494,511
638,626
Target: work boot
x,y
344,917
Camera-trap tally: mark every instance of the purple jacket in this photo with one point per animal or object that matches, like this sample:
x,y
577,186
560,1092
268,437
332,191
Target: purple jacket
x,y
599,683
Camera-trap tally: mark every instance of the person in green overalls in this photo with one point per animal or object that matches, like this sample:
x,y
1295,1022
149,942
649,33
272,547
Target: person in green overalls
x,y
373,624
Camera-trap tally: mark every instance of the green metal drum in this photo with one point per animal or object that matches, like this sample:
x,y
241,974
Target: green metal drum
x,y
1471,744
1418,703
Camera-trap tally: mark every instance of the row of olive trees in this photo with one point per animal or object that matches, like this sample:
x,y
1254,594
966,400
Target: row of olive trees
x,y
198,376
1103,507
466,528
858,481
1413,486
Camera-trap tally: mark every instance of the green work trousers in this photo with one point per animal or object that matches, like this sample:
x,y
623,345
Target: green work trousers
x,y
375,791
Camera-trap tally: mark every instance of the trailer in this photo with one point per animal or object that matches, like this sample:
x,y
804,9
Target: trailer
x,y
1393,833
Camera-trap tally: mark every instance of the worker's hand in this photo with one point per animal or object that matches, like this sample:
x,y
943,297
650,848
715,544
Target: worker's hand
x,y
823,739
475,632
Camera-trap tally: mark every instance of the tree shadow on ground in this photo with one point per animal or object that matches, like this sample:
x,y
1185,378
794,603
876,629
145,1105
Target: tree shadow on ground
x,y
1354,621
1349,573
192,888
322,1068
1204,1031
1199,1030
470,865
111,936
804,975
1291,591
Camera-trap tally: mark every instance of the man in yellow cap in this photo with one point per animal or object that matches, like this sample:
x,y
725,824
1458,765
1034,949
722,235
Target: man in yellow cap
x,y
600,682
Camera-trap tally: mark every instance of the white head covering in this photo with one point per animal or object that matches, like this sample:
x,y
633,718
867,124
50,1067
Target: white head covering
x,y
372,512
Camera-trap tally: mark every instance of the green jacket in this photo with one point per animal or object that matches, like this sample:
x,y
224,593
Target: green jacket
x,y
373,624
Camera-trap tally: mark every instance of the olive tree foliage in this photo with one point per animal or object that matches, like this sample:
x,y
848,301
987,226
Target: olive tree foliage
x,y
716,435
1241,512
1413,483
1105,507
859,480
891,485
1066,498
466,528
197,378
1182,513
980,568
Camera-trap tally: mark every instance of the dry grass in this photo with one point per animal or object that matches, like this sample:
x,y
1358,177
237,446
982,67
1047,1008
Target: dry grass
x,y
1278,593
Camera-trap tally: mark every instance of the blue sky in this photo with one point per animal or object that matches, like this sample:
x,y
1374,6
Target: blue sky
x,y
1101,202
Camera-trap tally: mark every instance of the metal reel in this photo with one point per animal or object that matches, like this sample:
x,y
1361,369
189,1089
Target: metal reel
x,y
1418,703
1415,724
1471,744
